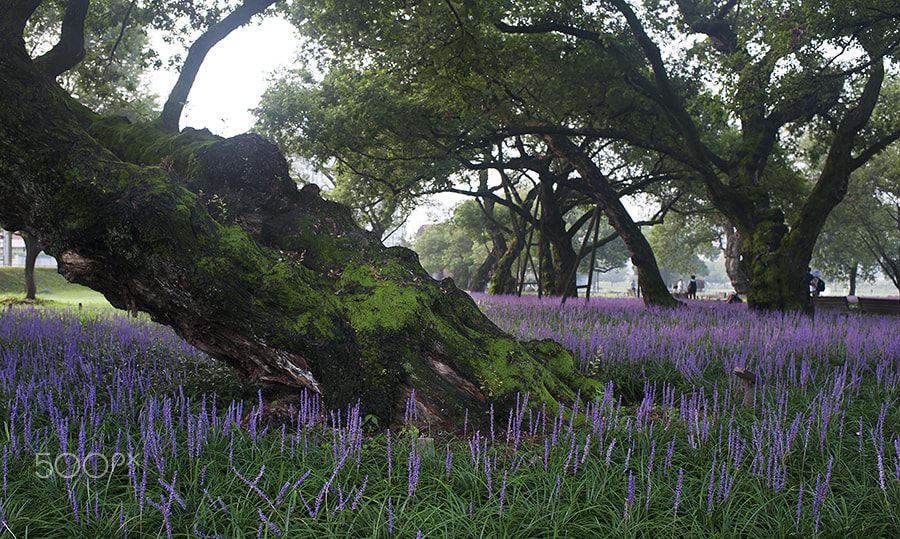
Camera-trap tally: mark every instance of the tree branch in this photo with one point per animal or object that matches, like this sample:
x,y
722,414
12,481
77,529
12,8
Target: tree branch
x,y
834,178
874,149
115,46
69,51
14,16
171,114
546,28
718,31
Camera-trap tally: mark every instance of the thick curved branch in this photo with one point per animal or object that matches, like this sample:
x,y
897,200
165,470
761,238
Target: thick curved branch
x,y
546,28
617,215
544,127
835,175
174,106
70,49
717,30
668,94
14,16
874,149
705,161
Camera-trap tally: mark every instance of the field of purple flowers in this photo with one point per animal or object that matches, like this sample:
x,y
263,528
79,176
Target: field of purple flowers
x,y
116,428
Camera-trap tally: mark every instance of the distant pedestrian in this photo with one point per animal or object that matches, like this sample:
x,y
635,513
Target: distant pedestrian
x,y
633,289
692,288
817,286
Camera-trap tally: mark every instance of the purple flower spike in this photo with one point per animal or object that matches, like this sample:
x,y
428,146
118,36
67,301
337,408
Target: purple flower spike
x,y
390,517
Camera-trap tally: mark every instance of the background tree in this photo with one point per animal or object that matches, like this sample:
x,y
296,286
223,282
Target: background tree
x,y
841,252
496,227
212,237
380,211
867,228
782,65
32,250
771,69
609,251
681,241
476,89
446,251
861,237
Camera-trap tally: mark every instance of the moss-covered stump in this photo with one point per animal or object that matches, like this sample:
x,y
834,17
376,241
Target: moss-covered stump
x,y
212,237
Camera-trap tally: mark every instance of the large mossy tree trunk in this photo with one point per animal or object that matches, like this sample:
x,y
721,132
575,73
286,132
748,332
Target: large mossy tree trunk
x,y
211,237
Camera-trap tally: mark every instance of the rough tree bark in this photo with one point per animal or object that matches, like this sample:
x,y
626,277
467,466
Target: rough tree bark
x,y
211,237
854,271
559,257
485,271
732,254
502,281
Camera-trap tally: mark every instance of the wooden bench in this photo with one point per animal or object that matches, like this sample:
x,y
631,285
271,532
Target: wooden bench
x,y
879,306
830,304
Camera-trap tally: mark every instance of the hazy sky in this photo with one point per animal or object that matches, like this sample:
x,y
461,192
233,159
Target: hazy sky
x,y
233,76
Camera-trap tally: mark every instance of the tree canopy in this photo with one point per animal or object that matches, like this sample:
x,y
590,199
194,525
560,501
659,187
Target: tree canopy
x,y
473,97
719,91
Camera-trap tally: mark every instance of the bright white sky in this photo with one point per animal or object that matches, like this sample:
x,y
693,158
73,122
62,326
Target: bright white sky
x,y
233,77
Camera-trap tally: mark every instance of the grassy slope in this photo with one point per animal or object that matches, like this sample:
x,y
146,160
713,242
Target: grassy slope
x,y
12,284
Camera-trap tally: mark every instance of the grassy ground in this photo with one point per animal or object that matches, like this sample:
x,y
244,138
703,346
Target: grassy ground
x,y
12,288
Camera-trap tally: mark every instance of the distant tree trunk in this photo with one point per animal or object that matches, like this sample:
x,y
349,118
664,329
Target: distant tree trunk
x,y
502,281
854,270
653,289
211,237
546,268
732,254
560,257
32,250
486,270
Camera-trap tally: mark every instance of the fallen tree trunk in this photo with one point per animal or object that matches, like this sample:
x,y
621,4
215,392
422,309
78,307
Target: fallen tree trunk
x,y
211,237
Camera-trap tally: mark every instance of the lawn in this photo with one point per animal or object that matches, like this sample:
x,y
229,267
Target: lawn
x,y
51,287
116,428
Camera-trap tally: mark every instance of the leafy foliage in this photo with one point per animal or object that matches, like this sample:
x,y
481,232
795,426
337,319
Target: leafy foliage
x,y
453,248
680,243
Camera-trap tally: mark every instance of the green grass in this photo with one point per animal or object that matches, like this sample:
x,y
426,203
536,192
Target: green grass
x,y
12,288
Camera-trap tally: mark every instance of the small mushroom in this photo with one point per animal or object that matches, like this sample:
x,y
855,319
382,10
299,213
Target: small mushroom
x,y
749,379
